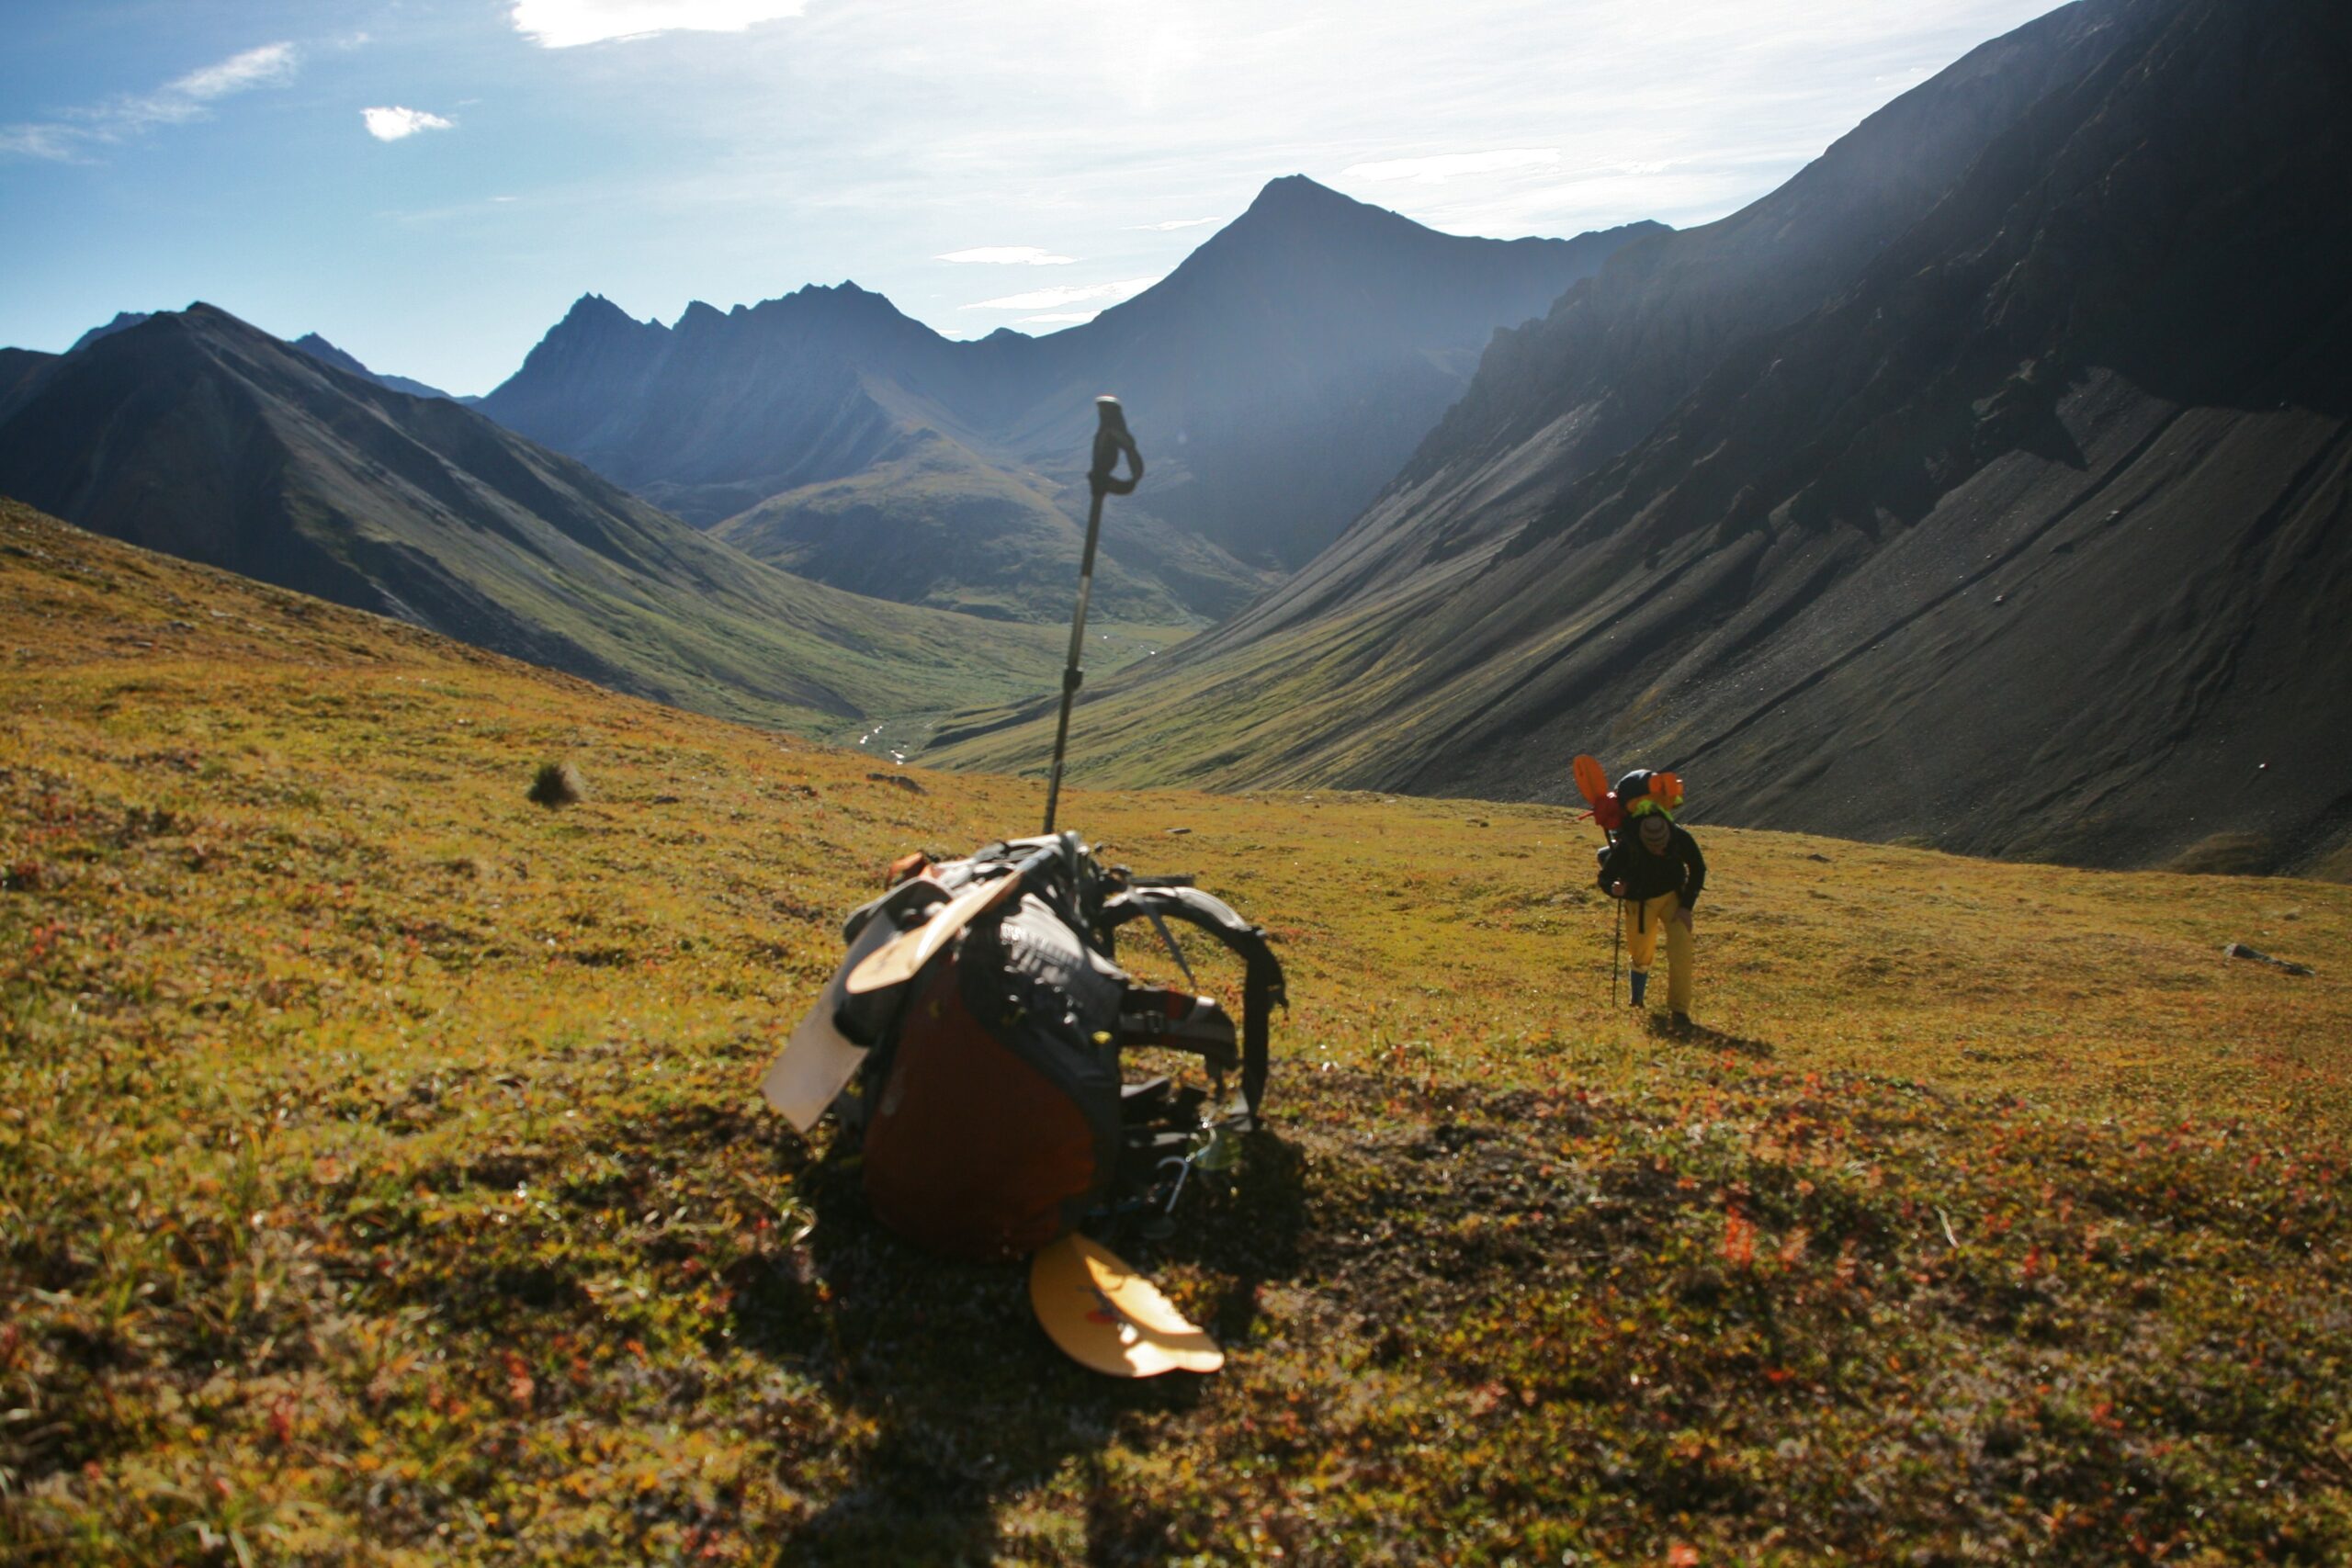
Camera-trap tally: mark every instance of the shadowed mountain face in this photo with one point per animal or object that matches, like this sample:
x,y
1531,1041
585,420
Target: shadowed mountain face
x,y
2026,532
1277,378
199,435
1287,367
18,366
720,412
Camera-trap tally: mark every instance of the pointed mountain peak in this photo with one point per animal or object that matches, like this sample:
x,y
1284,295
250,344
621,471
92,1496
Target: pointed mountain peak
x,y
596,312
1297,193
327,353
1294,205
595,324
840,308
206,321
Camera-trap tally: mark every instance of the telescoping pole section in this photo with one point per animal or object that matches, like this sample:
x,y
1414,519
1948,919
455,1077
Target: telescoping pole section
x,y
1111,438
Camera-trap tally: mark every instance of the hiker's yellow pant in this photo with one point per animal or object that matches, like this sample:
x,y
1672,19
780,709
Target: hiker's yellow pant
x,y
1643,920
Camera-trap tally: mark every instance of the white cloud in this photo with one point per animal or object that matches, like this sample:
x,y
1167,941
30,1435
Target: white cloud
x,y
176,102
563,24
1169,227
392,124
1007,256
1450,165
254,68
55,142
1047,298
1060,318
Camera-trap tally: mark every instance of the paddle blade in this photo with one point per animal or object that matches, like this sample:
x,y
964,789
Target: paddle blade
x,y
1591,782
814,1066
819,1061
902,957
1108,1318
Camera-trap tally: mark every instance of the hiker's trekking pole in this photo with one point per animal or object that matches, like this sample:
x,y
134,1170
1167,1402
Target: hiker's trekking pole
x,y
1593,784
1615,939
1111,438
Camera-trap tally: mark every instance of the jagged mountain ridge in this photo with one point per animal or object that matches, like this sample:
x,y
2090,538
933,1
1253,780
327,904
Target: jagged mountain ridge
x,y
662,410
194,434
1277,377
2023,538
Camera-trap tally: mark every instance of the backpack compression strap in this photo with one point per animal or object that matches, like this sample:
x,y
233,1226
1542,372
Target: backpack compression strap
x,y
1261,989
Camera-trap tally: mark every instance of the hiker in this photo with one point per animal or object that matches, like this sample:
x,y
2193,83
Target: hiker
x,y
1655,866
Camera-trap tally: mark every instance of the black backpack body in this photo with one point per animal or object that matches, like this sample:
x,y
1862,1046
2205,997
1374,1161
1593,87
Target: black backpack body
x,y
991,1105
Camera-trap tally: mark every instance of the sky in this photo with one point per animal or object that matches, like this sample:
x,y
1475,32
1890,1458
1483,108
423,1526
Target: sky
x,y
430,183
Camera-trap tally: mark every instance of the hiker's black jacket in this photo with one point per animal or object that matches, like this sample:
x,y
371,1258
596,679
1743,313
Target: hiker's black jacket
x,y
1680,868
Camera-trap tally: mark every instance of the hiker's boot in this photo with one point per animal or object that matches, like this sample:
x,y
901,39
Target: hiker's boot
x,y
1641,984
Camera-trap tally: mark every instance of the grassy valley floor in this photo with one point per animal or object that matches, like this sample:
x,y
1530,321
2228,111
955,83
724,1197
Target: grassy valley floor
x,y
382,1178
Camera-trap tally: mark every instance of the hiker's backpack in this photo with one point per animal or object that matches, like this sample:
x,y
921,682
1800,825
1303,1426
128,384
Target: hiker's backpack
x,y
990,1103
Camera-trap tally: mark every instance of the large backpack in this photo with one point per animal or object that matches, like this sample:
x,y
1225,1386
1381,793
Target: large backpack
x,y
990,1102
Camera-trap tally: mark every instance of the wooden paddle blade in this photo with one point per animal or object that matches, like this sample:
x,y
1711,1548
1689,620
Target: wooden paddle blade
x,y
1108,1318
903,959
1591,782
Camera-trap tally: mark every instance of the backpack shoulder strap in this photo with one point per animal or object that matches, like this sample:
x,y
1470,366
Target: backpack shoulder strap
x,y
1261,989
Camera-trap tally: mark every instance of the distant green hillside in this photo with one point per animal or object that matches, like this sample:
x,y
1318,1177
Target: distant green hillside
x,y
934,525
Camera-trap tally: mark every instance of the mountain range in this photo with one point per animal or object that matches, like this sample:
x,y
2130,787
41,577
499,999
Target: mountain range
x,y
1277,377
1985,483
195,434
311,344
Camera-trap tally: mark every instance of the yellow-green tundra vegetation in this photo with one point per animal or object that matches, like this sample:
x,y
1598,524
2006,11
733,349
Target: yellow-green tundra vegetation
x,y
382,1178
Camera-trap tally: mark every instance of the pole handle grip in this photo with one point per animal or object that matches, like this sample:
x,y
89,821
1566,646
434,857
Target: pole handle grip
x,y
1111,439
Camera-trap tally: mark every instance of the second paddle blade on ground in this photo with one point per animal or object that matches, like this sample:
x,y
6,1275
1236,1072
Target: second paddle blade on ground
x,y
1108,1318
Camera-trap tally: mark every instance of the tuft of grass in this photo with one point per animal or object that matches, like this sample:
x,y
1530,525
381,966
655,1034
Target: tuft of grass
x,y
356,1207
558,784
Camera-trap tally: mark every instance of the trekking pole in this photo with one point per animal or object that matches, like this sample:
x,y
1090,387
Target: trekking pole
x,y
1593,784
1111,438
1616,937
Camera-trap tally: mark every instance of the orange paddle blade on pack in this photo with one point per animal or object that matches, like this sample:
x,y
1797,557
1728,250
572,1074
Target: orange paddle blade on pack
x,y
1591,782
